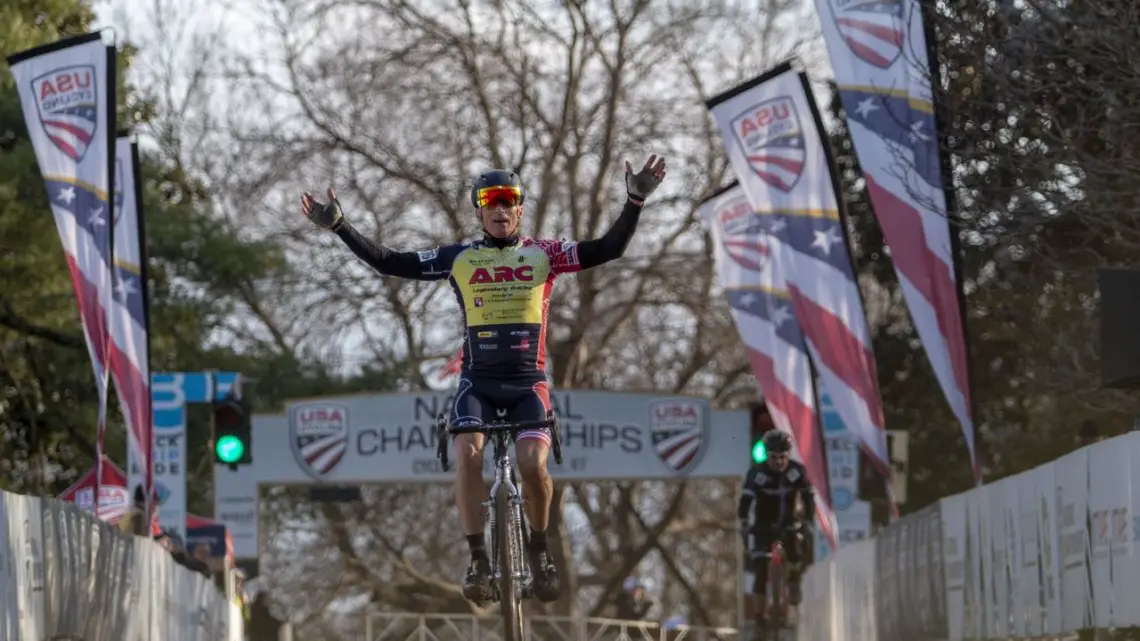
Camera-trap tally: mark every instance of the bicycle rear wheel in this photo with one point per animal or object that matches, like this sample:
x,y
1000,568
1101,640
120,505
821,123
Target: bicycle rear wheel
x,y
508,538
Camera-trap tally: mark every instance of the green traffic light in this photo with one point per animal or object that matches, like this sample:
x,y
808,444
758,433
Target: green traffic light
x,y
759,452
229,449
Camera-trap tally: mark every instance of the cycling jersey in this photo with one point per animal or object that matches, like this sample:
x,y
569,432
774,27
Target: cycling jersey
x,y
503,287
771,496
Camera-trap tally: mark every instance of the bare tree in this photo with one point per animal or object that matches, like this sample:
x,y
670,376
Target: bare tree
x,y
402,113
398,104
1039,97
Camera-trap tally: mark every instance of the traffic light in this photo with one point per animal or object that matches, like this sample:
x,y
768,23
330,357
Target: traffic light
x,y
232,432
759,451
758,426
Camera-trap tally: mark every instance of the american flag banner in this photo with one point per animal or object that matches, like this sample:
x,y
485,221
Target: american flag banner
x,y
762,310
878,52
130,319
67,94
775,146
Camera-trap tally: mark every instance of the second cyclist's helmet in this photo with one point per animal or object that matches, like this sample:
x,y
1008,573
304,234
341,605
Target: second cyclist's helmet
x,y
777,442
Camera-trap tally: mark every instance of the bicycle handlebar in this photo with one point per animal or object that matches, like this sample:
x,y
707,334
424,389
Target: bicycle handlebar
x,y
481,428
446,430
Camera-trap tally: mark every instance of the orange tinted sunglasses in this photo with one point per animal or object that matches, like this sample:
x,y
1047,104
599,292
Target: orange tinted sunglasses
x,y
491,196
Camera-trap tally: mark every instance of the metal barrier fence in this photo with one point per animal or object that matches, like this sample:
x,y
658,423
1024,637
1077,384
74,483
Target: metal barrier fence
x,y
400,626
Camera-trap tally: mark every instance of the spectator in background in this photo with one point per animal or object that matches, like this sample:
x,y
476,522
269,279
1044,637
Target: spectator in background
x,y
134,521
1088,434
632,602
204,556
241,598
177,548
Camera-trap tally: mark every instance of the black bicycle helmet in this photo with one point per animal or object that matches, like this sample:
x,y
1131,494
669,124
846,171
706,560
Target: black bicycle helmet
x,y
496,178
777,442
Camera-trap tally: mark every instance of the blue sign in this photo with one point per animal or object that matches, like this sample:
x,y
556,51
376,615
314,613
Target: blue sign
x,y
852,516
171,392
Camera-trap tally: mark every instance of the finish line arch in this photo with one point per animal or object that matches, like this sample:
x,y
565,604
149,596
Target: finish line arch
x,y
391,438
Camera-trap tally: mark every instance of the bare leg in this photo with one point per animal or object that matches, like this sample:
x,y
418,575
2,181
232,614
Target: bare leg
x,y
538,488
538,492
470,489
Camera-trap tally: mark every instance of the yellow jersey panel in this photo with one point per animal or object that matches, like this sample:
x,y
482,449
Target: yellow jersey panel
x,y
498,287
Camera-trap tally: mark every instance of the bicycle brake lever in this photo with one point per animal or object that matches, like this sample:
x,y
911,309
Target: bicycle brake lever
x,y
555,441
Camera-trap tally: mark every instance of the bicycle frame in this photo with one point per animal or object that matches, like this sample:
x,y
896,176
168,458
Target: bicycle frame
x,y
505,475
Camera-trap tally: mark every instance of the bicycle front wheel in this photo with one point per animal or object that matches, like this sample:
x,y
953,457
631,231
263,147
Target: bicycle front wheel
x,y
508,539
776,602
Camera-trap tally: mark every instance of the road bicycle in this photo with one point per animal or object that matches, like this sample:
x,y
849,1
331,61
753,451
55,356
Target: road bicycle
x,y
511,576
776,605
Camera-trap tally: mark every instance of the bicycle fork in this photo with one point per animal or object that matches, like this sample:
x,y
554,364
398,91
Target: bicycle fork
x,y
515,515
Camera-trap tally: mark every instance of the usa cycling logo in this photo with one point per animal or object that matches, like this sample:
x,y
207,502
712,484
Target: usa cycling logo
x,y
678,430
318,434
67,107
771,138
743,234
874,30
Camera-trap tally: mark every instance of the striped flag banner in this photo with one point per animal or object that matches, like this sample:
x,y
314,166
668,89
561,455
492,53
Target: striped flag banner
x,y
67,94
761,307
130,319
879,55
774,143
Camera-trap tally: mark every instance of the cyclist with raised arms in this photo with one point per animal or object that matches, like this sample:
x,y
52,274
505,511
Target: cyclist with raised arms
x,y
502,283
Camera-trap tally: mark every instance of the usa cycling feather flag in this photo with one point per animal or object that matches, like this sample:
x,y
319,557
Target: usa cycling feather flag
x,y
878,53
130,319
772,136
67,93
758,297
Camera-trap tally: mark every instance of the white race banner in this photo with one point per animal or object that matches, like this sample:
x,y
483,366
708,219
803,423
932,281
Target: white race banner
x,y
954,560
66,575
1029,599
1128,610
1072,530
9,558
391,438
1045,553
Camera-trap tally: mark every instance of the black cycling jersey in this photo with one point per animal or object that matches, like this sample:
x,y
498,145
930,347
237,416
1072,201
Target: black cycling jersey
x,y
771,495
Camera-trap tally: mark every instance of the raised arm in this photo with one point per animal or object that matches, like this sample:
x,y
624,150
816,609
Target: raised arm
x,y
423,265
611,245
426,265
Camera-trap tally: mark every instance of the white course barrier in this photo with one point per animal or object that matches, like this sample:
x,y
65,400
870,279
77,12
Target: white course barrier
x,y
65,575
1046,552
